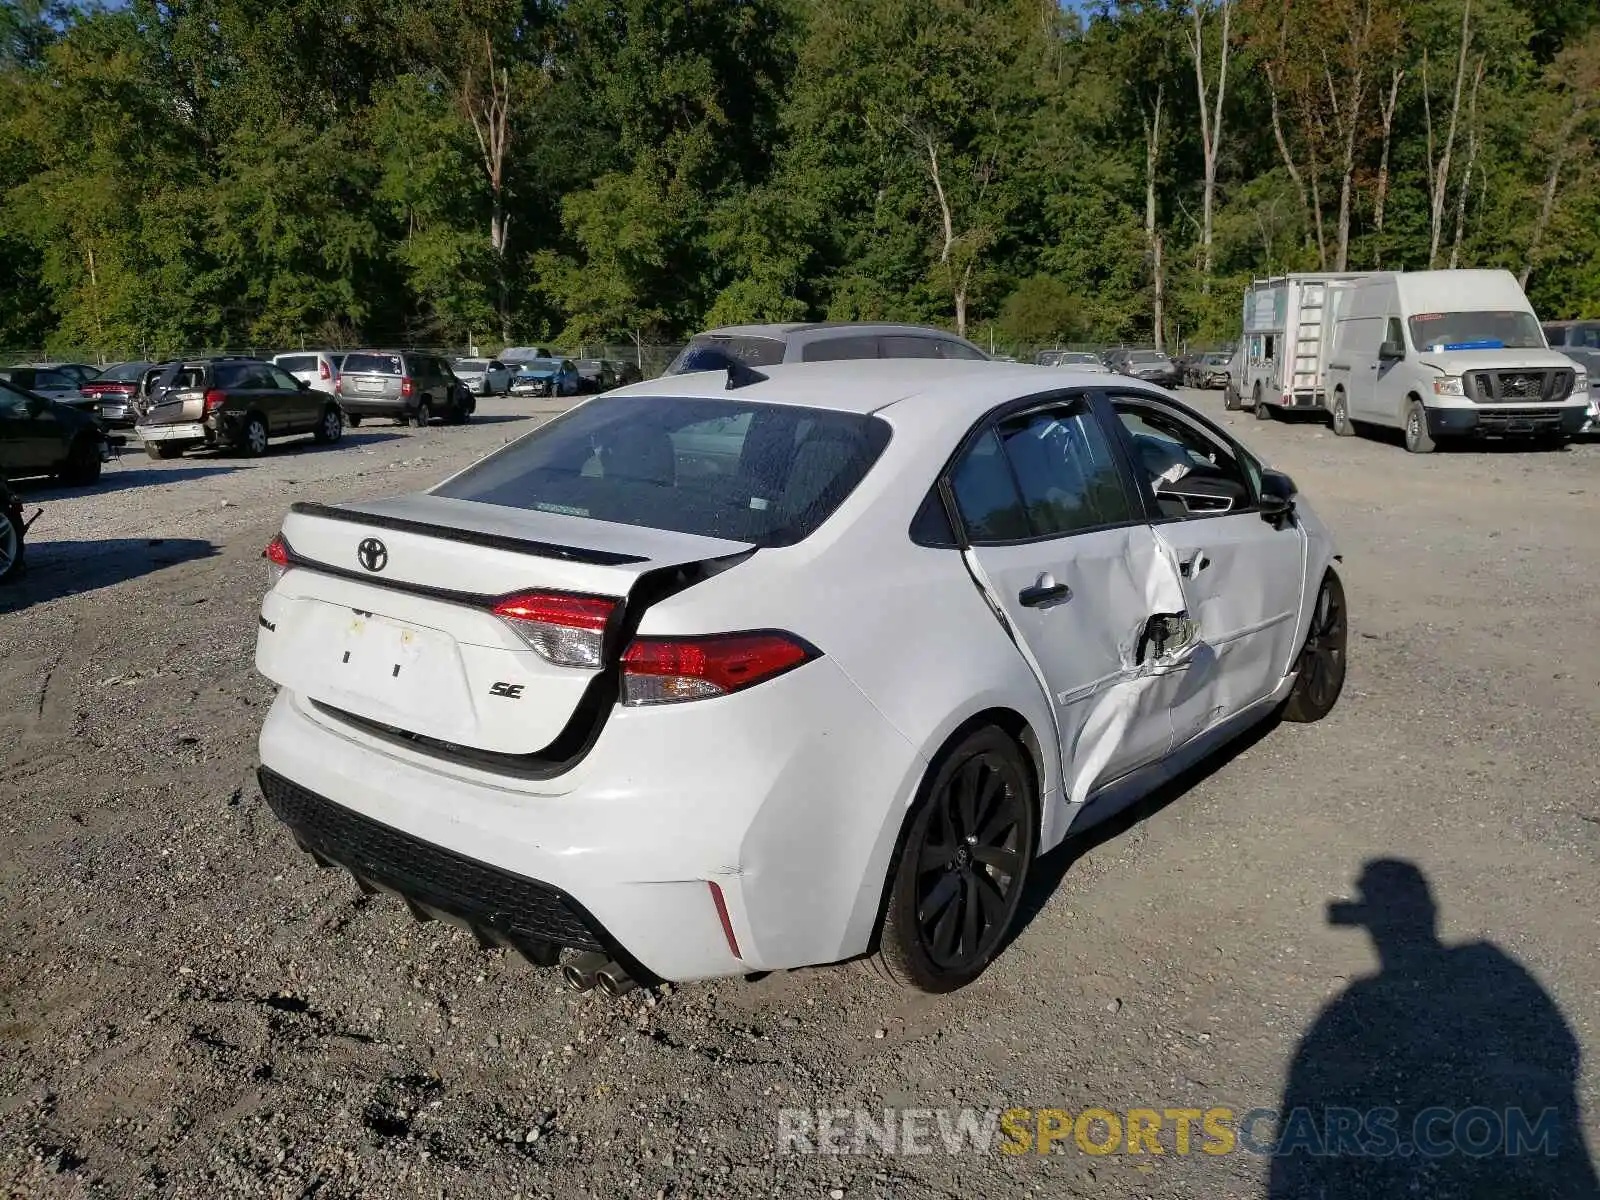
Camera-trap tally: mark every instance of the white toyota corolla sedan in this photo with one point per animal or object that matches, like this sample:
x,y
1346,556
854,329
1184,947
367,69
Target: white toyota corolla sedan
x,y
726,673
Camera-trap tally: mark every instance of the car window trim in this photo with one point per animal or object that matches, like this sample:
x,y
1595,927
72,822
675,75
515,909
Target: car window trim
x,y
1146,493
1021,407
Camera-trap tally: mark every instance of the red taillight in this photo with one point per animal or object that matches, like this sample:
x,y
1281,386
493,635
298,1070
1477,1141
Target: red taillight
x,y
322,370
277,556
561,628
338,385
215,399
406,386
669,670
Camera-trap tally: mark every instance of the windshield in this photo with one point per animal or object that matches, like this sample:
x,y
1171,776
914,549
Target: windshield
x,y
711,352
372,364
1503,330
1147,356
1077,359
539,366
128,372
471,364
1217,360
749,472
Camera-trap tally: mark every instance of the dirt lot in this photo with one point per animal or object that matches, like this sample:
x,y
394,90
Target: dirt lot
x,y
189,1007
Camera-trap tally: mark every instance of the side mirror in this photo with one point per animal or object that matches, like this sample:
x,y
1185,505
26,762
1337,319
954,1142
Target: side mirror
x,y
1277,496
1391,352
303,385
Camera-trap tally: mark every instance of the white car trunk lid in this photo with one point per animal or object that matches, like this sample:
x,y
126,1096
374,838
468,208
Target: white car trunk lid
x,y
387,612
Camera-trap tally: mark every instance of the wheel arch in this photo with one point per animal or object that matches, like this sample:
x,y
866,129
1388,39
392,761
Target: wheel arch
x,y
1014,725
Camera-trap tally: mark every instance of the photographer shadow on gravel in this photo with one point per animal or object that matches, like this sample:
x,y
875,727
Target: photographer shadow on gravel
x,y
1450,1074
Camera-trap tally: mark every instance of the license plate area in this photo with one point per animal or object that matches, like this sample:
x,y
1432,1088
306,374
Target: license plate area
x,y
167,433
386,669
369,385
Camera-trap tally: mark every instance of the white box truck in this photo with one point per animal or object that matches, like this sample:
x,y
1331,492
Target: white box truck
x,y
1288,329
1451,354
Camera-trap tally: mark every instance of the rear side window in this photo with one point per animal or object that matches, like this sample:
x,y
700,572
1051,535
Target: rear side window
x,y
1066,471
949,348
179,375
749,472
236,375
840,348
906,346
299,362
372,364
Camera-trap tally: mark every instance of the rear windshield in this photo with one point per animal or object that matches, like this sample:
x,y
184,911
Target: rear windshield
x,y
298,362
763,473
373,364
124,372
712,352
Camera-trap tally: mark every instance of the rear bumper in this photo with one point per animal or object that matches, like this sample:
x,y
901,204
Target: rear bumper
x,y
789,802
378,406
1507,421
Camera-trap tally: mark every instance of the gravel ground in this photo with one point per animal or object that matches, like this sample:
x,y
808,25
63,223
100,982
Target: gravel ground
x,y
189,1007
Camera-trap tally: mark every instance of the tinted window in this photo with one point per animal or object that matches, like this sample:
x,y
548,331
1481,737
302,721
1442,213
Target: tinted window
x,y
840,348
125,372
709,352
949,348
471,364
13,404
372,364
986,494
55,380
282,380
1066,470
299,362
1555,336
905,346
750,472
234,375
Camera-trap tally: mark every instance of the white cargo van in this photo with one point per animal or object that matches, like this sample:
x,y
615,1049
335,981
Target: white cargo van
x,y
1450,354
1288,329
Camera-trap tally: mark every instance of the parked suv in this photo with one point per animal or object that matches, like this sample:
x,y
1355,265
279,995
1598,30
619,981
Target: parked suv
x,y
824,341
319,368
409,385
41,437
233,403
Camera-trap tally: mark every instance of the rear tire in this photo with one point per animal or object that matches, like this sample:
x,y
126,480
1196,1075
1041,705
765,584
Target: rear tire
x,y
1342,426
1322,659
353,420
1261,408
162,450
253,437
422,415
11,550
1231,400
331,428
82,467
956,886
1418,440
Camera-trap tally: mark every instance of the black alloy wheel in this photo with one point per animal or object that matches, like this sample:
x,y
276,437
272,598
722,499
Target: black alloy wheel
x,y
1322,659
962,869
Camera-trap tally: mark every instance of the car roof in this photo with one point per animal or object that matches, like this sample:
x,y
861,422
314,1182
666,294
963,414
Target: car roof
x,y
785,329
873,384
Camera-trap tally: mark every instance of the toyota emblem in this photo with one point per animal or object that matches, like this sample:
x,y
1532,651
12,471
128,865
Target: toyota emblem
x,y
374,555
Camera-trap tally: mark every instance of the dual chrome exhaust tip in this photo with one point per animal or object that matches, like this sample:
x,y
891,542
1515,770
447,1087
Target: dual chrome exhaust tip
x,y
594,970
